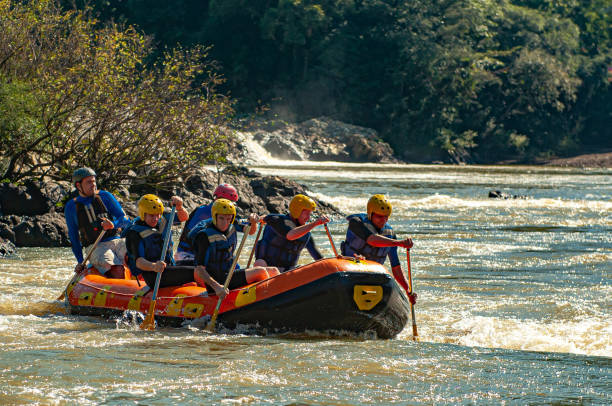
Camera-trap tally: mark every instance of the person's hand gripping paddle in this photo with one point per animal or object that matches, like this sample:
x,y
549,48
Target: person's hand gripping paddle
x,y
76,275
415,334
149,321
213,320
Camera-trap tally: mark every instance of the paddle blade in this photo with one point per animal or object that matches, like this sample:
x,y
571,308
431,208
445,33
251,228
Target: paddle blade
x,y
213,322
149,321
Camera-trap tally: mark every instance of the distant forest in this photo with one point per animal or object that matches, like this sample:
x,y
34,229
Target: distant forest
x,y
475,81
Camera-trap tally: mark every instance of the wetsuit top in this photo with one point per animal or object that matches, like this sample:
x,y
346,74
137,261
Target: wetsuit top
x,y
198,214
359,229
115,214
276,249
214,249
144,241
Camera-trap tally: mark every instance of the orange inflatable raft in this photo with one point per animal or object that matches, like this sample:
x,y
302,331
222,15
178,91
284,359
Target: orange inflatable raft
x,y
332,296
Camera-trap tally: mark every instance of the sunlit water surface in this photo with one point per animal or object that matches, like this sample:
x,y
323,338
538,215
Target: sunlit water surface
x,y
514,307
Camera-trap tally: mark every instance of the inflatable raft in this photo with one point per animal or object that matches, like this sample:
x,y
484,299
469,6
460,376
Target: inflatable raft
x,y
331,296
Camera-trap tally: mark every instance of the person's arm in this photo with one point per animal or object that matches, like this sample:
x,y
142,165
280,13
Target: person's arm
x,y
145,265
73,231
181,213
201,259
301,231
377,240
133,245
114,208
399,275
204,277
240,224
312,249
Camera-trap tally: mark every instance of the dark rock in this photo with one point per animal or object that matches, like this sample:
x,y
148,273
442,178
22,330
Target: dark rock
x,y
282,148
27,199
130,208
319,139
48,230
7,248
6,232
498,194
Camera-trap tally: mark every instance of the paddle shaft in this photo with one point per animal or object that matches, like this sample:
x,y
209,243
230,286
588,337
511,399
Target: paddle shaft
x,y
254,244
91,250
149,323
213,319
414,326
331,240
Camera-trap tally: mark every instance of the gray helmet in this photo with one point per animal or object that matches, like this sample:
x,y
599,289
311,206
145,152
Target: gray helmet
x,y
82,173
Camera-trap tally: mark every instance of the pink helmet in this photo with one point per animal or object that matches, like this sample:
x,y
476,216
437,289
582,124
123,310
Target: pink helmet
x,y
225,191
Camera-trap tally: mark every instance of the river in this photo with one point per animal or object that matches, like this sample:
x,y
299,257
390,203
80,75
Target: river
x,y
514,307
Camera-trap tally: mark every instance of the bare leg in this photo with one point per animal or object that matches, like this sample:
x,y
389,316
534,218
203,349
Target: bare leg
x,y
272,271
256,274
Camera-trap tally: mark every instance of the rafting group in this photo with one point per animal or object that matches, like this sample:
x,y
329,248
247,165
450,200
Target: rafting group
x,y
206,257
208,241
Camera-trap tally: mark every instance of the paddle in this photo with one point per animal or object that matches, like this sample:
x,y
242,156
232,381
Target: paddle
x,y
331,240
213,320
415,334
149,321
76,274
254,245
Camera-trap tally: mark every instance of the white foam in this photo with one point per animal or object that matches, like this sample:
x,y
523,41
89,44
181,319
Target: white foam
x,y
589,336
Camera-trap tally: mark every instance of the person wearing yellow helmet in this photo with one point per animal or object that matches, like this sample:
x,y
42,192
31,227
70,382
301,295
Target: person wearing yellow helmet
x,y
87,215
285,236
144,241
370,236
214,241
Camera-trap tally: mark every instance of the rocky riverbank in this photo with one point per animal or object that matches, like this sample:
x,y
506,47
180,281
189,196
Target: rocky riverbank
x,y
31,215
596,160
317,139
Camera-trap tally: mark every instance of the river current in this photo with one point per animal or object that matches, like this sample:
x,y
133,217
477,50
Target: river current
x,y
514,307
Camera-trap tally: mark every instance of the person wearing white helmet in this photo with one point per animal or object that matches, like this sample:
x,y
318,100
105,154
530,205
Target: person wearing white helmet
x,y
370,236
285,236
214,241
87,215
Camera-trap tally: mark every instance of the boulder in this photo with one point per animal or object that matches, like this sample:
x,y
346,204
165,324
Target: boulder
x,y
26,199
47,230
318,139
498,194
7,248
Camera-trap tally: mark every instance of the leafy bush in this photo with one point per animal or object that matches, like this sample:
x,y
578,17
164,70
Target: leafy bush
x,y
74,92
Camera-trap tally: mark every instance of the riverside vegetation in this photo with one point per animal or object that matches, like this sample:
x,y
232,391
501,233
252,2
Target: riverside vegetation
x,y
474,81
139,88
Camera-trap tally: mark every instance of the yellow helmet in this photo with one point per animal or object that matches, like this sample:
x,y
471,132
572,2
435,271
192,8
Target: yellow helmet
x,y
222,206
380,205
300,203
149,204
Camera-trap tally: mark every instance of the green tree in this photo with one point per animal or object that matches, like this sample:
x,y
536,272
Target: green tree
x,y
86,96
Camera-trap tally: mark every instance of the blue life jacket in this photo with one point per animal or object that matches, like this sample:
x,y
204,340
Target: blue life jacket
x,y
220,253
277,250
151,244
198,214
356,245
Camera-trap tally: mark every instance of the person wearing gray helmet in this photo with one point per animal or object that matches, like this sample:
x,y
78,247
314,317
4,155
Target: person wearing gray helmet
x,y
87,215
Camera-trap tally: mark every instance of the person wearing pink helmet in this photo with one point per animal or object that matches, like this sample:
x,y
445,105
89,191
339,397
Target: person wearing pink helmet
x,y
185,253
